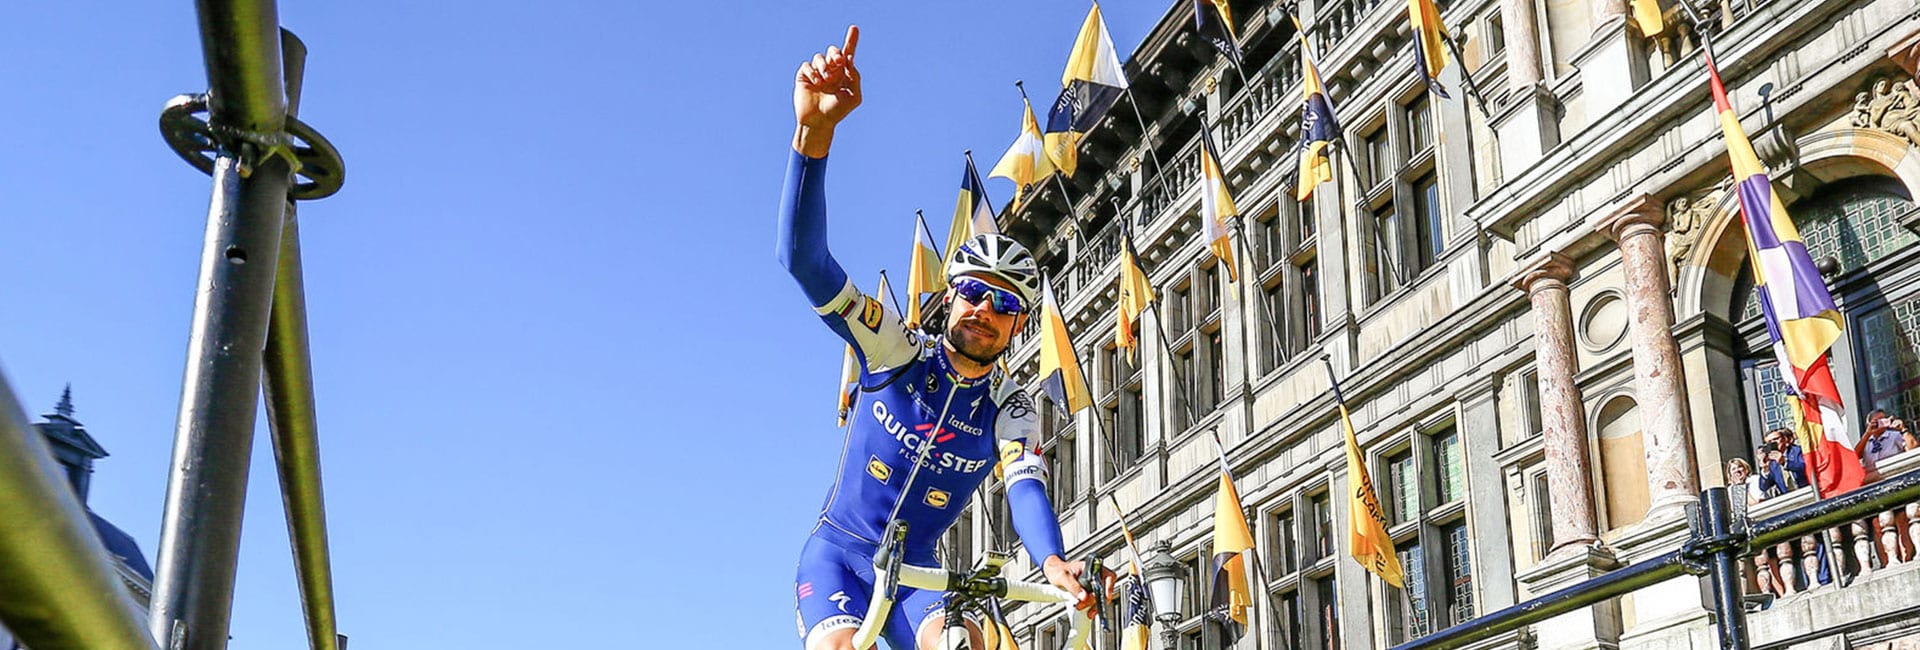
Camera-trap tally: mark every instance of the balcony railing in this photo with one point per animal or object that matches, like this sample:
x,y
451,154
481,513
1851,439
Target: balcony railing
x,y
1859,548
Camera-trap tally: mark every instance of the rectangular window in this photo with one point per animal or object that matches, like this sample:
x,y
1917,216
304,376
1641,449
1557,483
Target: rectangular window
x,y
1310,300
1322,526
1452,467
1379,157
1529,403
1459,572
1542,514
998,522
1179,306
1214,392
1496,38
1280,530
1060,466
1403,488
1286,633
1429,230
1412,616
1304,222
1199,582
1329,613
1419,126
1273,348
1385,262
1209,292
1184,392
962,537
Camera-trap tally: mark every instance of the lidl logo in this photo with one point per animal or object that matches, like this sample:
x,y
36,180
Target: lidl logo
x,y
878,470
870,314
937,498
1010,451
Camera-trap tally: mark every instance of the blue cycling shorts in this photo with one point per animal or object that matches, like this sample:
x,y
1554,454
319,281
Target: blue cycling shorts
x,y
834,585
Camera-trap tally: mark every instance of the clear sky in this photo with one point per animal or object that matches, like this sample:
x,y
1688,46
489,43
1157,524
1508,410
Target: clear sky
x,y
567,396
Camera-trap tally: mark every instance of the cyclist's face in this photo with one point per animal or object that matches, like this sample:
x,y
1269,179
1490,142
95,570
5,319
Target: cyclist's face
x,y
976,330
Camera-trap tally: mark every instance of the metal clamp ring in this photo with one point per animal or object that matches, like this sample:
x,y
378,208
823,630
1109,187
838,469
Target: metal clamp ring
x,y
321,171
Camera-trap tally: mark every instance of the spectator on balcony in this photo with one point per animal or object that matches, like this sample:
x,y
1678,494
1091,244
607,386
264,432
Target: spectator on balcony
x,y
1784,465
1886,437
1765,568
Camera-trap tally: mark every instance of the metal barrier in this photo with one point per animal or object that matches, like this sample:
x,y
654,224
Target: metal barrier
x,y
1720,537
57,589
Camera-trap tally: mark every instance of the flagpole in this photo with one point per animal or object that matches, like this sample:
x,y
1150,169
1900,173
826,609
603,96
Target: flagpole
x,y
1145,138
1473,90
895,298
1353,172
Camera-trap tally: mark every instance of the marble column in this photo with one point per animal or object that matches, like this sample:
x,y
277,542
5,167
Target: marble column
x,y
1528,118
1658,379
1613,63
1563,417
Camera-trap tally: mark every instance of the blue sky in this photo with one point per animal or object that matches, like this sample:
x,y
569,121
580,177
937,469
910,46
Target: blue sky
x,y
567,397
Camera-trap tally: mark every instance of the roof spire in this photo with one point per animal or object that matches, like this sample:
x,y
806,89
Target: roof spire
x,y
65,408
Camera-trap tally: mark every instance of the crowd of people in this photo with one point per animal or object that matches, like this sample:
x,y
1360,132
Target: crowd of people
x,y
1779,467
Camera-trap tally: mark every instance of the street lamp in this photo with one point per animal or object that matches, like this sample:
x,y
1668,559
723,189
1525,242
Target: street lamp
x,y
1166,583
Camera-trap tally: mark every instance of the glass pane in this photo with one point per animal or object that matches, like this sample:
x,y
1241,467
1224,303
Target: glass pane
x,y
1889,358
1415,617
1322,526
1287,623
1403,487
1419,117
1854,223
1310,298
1429,223
1379,166
1542,516
1280,559
1216,371
1459,573
1451,465
1329,618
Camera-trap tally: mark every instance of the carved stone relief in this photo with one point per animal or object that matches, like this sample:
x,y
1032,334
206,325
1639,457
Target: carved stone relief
x,y
1890,104
1686,216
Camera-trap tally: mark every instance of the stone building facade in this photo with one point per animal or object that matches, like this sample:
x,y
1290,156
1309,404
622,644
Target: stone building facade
x,y
1540,313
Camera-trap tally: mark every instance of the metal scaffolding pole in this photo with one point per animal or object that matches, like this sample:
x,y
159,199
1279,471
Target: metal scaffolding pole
x,y
290,409
213,441
57,588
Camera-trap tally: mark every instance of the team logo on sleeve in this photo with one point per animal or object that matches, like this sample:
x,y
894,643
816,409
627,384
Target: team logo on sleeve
x,y
878,470
938,498
870,314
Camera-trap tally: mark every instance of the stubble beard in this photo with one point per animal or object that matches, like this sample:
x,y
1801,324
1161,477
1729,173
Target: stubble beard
x,y
969,345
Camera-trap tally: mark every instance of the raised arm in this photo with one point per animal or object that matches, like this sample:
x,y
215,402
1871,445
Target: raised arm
x,y
825,89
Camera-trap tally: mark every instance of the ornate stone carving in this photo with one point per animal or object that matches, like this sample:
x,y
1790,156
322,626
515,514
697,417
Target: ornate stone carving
x,y
1686,216
1891,105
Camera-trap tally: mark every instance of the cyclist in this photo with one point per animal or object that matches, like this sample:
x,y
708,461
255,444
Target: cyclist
x,y
937,415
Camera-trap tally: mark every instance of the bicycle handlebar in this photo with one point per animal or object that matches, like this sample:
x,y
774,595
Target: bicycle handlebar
x,y
937,579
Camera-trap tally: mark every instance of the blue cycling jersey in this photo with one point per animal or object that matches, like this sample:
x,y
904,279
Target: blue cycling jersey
x,y
906,384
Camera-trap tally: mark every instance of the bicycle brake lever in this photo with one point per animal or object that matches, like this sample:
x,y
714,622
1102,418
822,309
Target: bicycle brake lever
x,y
1090,580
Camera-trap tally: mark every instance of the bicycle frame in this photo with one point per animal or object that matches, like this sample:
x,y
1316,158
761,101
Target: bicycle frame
x,y
963,589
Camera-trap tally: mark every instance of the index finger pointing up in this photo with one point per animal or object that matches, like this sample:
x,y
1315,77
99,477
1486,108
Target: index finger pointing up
x,y
853,40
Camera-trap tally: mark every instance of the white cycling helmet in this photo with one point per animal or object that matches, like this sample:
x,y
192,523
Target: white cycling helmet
x,y
1001,257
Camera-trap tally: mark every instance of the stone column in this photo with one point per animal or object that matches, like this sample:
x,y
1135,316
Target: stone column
x,y
1658,379
1528,114
1613,63
1563,416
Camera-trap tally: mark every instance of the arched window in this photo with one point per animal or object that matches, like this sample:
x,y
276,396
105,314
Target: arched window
x,y
1853,230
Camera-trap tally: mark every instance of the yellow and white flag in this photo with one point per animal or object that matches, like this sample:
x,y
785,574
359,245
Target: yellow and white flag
x,y
1216,205
1060,375
1092,82
1026,162
925,273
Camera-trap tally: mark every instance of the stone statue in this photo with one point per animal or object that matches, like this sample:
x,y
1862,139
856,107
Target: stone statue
x,y
1892,106
1686,215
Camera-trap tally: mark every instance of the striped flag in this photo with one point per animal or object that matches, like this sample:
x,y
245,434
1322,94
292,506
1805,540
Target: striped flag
x,y
1232,551
1802,320
1136,623
1216,205
1060,374
1214,20
1367,522
1429,43
1025,163
1318,127
1136,293
972,215
924,272
1093,81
